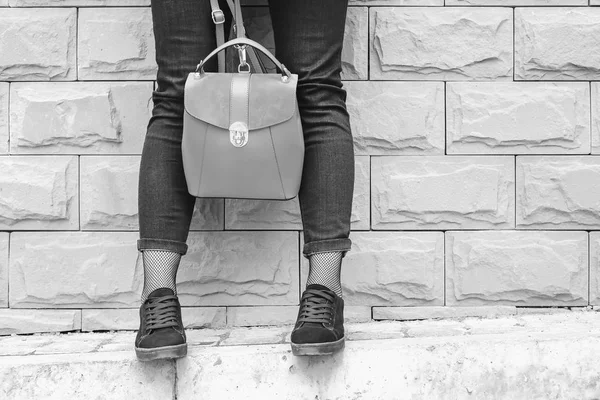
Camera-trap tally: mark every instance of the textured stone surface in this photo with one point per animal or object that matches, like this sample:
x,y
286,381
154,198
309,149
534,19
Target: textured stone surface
x,y
441,359
430,192
558,192
392,268
284,215
452,364
397,2
32,321
3,117
79,117
74,270
509,118
258,316
595,268
129,319
38,44
109,196
98,31
3,269
109,192
371,2
38,192
557,43
595,116
516,3
282,315
517,268
63,3
355,51
417,313
116,376
240,268
396,117
441,43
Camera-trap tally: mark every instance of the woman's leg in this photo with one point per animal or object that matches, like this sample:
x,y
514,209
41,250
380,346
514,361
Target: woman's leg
x,y
184,34
308,37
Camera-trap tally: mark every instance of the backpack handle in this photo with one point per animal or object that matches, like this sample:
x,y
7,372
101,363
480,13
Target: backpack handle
x,y
245,42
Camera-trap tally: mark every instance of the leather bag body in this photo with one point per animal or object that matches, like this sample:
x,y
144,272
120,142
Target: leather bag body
x,y
242,134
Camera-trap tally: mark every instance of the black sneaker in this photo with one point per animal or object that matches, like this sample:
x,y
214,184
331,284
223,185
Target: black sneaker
x,y
161,333
319,328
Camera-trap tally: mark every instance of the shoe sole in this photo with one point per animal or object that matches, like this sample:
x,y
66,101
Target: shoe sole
x,y
317,349
160,353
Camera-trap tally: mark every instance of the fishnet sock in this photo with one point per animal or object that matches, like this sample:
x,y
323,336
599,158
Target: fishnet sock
x,y
160,270
325,269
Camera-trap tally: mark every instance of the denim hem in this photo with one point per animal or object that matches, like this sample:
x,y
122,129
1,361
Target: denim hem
x,y
329,245
162,244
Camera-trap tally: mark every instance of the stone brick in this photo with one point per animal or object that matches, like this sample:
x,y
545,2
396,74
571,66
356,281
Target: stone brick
x,y
557,43
516,3
109,196
417,313
39,192
441,192
35,321
397,2
239,268
74,270
558,192
355,51
114,375
524,117
396,117
3,269
109,192
3,117
392,269
516,268
261,316
129,319
79,117
285,215
441,43
209,214
595,268
84,3
99,30
595,117
38,44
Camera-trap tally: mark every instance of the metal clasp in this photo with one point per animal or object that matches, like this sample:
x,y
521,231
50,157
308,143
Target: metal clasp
x,y
243,60
218,17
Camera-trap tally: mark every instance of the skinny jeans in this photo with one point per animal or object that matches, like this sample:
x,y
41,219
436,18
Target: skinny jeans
x,y
308,39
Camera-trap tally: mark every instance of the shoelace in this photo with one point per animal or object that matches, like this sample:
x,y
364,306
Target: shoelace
x,y
316,306
161,312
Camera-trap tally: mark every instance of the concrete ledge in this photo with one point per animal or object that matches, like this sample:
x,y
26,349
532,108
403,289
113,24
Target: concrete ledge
x,y
512,357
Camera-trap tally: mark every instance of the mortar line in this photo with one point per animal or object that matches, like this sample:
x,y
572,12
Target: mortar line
x,y
175,379
515,192
513,42
76,43
591,119
368,44
589,235
8,120
444,263
445,119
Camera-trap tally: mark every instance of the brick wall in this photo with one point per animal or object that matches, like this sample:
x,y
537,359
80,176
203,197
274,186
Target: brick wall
x,y
476,125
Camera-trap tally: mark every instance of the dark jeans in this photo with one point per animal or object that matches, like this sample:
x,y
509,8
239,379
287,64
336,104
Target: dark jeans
x,y
308,38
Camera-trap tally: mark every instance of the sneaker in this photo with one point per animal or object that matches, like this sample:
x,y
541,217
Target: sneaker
x,y
161,333
319,328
